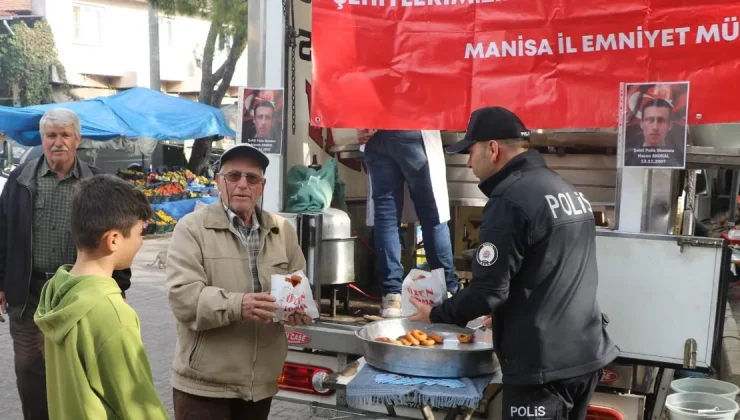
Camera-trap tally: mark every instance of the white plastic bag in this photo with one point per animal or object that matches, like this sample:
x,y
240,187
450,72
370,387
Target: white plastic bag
x,y
429,288
293,294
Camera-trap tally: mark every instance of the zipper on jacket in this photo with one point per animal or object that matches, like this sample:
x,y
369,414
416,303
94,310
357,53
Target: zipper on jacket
x,y
193,352
30,264
256,327
239,237
254,360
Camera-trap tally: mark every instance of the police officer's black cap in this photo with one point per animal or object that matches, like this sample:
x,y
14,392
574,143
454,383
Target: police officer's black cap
x,y
490,123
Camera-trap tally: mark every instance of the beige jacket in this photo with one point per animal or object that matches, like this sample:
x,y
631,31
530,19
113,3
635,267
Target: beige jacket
x,y
218,354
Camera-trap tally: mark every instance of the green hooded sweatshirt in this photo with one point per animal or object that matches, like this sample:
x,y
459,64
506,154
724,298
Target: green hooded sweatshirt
x,y
96,366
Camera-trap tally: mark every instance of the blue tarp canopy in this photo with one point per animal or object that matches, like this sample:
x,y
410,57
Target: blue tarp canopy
x,y
137,112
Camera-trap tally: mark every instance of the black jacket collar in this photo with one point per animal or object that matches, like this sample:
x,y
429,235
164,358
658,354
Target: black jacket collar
x,y
531,159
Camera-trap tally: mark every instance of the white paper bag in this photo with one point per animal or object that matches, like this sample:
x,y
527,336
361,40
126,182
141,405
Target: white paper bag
x,y
293,294
429,288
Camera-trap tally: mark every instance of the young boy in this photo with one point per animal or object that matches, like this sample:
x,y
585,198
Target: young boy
x,y
96,366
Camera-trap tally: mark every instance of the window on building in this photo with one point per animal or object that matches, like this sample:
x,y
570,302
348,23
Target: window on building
x,y
166,38
88,24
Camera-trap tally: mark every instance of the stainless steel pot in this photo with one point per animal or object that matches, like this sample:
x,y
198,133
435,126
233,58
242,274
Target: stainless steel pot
x,y
451,359
329,248
337,265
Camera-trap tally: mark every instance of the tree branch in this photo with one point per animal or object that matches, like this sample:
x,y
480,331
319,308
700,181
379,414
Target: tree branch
x,y
219,74
237,48
207,81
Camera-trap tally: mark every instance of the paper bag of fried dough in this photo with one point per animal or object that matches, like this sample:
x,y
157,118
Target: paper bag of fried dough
x,y
293,295
429,288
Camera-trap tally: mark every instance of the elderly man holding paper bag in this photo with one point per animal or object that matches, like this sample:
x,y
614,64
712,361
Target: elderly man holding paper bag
x,y
221,259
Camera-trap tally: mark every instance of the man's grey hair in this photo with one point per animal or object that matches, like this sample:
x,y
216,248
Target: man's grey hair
x,y
60,117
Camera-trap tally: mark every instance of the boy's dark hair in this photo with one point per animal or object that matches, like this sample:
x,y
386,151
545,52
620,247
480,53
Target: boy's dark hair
x,y
102,203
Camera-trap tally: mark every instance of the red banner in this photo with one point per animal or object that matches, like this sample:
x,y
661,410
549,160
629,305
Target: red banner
x,y
426,64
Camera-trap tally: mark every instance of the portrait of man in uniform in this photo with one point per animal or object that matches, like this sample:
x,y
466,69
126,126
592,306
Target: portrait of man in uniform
x,y
655,125
262,119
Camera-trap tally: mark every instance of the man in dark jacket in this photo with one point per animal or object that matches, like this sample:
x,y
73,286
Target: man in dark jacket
x,y
534,272
35,241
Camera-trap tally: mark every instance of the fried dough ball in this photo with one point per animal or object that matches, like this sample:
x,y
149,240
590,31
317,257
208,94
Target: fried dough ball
x,y
419,335
295,280
387,340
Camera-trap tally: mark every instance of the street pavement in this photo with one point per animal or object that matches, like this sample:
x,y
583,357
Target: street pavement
x,y
148,296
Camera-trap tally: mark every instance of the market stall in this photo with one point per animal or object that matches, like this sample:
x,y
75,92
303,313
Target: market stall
x,y
137,119
172,192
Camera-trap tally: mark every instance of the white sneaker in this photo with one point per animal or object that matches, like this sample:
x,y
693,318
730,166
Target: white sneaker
x,y
391,306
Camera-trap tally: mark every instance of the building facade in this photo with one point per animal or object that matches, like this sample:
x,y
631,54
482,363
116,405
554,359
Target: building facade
x,y
104,45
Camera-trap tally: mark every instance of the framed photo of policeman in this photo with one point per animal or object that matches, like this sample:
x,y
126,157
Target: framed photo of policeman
x,y
261,122
654,124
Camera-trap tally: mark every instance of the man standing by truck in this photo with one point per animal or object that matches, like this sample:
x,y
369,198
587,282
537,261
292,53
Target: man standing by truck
x,y
392,158
534,272
35,208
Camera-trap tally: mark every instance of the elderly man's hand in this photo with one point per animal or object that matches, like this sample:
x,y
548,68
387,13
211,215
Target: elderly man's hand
x,y
259,307
299,318
363,135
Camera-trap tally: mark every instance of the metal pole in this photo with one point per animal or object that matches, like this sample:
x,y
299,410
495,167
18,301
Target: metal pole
x,y
154,82
318,221
256,43
265,55
309,236
734,192
688,210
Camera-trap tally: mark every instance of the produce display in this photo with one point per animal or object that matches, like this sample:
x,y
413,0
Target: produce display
x,y
168,191
161,186
161,223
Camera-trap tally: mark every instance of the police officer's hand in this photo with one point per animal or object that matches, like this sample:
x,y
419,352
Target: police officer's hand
x,y
422,311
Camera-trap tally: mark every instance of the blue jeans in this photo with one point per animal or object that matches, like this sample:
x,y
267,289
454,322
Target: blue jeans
x,y
392,158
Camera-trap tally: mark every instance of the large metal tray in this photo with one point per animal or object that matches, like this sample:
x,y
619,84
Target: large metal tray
x,y
451,359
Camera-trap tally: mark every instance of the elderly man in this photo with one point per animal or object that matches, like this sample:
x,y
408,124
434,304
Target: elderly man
x,y
229,353
35,207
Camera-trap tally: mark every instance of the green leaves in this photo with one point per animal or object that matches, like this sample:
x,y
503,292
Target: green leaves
x,y
26,61
230,14
228,33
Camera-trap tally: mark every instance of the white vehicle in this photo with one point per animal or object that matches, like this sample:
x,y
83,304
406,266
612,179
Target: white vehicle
x,y
10,156
664,293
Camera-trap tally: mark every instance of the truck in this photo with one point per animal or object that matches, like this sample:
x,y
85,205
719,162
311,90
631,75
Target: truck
x,y
662,287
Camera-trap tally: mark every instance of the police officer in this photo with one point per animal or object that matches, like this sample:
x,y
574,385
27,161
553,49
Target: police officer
x,y
534,272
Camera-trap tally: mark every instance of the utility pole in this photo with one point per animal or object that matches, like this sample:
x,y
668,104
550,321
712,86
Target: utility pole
x,y
154,82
